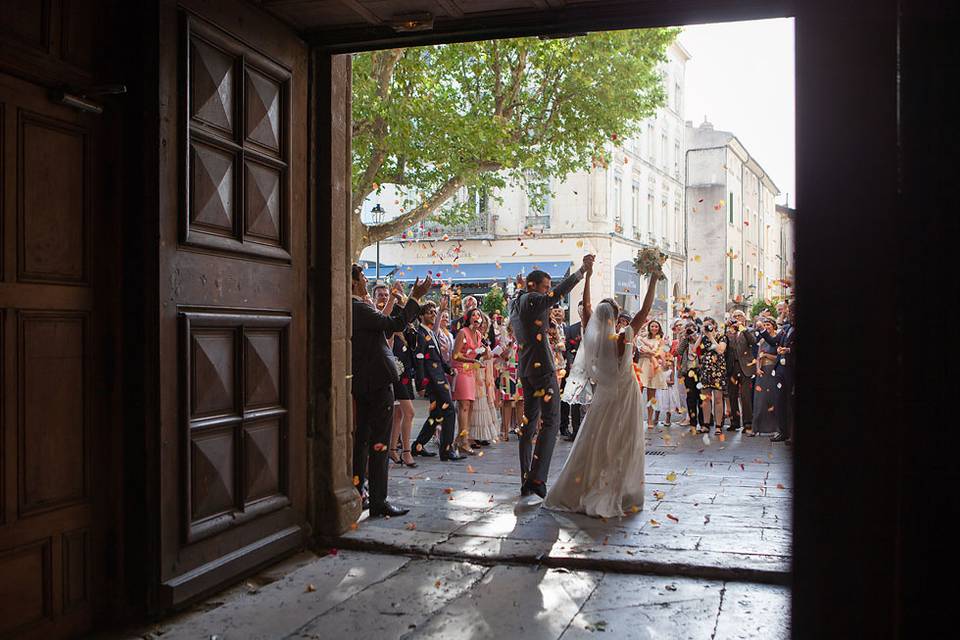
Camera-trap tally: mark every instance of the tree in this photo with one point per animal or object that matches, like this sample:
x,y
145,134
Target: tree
x,y
494,301
480,115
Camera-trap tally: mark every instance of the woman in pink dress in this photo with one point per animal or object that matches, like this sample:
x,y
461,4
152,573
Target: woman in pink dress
x,y
467,351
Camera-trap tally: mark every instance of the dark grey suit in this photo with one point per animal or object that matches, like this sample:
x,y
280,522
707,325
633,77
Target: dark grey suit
x,y
741,367
529,316
373,376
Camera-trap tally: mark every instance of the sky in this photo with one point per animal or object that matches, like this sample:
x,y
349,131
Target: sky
x,y
741,77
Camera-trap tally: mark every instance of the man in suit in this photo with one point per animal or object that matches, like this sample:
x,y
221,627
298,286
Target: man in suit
x,y
741,368
432,373
571,414
374,373
530,317
786,350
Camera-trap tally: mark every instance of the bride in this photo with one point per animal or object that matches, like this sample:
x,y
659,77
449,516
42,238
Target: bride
x,y
603,475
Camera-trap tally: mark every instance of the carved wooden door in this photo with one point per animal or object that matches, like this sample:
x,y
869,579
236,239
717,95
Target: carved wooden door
x,y
232,279
47,424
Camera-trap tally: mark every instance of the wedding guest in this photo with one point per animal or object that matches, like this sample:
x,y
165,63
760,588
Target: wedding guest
x,y
381,296
433,382
688,360
469,304
741,368
652,371
768,405
786,350
713,374
405,346
373,374
466,359
483,428
670,400
511,393
571,415
444,337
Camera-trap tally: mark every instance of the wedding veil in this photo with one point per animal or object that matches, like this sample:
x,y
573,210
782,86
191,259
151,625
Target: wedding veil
x,y
596,361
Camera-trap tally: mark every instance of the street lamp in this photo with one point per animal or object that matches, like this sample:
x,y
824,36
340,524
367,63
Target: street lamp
x,y
377,212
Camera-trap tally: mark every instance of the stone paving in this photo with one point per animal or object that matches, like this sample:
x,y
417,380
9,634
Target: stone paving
x,y
357,594
713,508
708,556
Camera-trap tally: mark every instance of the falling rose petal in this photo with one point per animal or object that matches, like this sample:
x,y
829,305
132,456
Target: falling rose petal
x,y
333,552
780,486
673,517
659,495
448,490
654,523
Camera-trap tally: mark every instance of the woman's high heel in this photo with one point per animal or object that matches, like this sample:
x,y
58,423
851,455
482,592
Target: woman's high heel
x,y
411,464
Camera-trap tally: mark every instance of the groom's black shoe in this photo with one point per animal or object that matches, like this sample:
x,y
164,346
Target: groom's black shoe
x,y
539,488
387,509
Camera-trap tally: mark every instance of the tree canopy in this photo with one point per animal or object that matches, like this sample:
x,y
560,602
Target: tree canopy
x,y
480,115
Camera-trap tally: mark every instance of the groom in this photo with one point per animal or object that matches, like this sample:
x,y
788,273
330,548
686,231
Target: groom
x,y
529,315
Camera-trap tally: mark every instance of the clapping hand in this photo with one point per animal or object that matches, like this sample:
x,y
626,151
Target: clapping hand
x,y
421,287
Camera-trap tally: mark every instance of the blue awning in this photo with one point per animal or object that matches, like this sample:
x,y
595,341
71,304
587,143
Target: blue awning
x,y
370,270
479,272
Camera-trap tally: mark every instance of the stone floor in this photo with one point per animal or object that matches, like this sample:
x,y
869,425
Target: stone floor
x,y
716,508
356,594
708,556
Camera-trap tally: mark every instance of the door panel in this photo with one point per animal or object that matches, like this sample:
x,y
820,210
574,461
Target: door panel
x,y
232,295
46,363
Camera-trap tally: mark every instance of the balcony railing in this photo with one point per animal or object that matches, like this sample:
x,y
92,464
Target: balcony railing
x,y
479,227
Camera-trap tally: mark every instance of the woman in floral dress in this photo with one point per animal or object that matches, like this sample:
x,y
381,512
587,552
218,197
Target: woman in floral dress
x,y
713,374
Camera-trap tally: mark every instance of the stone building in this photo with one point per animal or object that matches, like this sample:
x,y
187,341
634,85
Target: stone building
x,y
734,238
635,201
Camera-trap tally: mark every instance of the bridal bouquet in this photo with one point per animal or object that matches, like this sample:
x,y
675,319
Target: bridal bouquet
x,y
650,261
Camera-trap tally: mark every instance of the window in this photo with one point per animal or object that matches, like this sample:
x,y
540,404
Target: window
x,y
663,220
541,218
730,270
678,98
617,198
648,223
677,228
651,149
635,209
730,207
663,150
676,159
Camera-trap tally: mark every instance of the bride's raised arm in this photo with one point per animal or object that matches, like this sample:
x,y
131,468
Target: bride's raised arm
x,y
644,311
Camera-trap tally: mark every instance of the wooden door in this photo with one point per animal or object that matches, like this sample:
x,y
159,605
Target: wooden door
x,y
232,294
48,417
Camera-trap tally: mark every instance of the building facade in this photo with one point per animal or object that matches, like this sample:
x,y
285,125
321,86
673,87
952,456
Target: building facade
x,y
735,235
635,200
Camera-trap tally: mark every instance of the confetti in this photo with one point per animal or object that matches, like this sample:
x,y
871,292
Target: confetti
x,y
780,486
659,495
310,588
672,476
654,523
411,526
673,517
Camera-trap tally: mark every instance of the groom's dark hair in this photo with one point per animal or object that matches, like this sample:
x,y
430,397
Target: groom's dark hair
x,y
536,277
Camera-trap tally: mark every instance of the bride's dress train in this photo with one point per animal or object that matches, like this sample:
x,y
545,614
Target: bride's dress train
x,y
603,475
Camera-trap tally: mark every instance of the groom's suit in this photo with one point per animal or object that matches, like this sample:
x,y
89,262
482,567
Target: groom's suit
x,y
529,317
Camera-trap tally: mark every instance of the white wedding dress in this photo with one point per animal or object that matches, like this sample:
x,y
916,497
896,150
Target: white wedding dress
x,y
603,475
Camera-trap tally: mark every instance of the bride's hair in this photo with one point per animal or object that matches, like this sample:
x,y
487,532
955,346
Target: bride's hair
x,y
612,303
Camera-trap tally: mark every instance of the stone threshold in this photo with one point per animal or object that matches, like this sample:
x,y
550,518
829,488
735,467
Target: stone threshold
x,y
589,559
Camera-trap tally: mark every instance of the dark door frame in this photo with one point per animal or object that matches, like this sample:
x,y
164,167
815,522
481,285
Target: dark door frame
x,y
848,578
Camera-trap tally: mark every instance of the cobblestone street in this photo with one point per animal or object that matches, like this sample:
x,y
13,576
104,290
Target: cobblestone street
x,y
708,556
